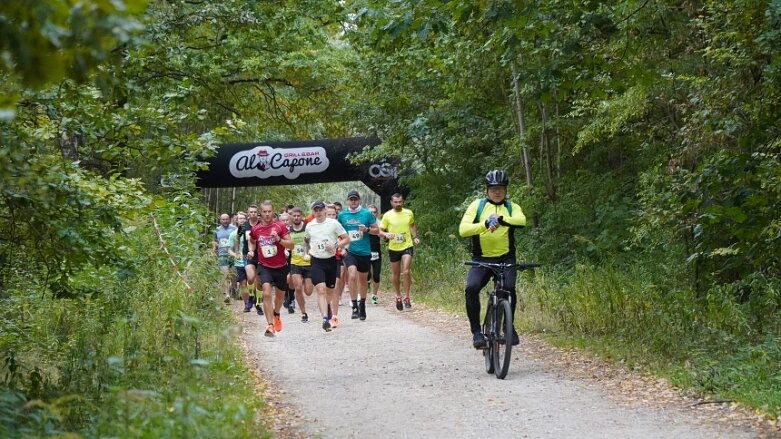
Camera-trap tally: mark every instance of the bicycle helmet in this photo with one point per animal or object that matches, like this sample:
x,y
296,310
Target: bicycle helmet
x,y
497,177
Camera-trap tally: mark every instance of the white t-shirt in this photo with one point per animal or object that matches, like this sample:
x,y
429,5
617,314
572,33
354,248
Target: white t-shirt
x,y
321,233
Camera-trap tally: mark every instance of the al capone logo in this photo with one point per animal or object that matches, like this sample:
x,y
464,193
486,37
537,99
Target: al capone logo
x,y
265,161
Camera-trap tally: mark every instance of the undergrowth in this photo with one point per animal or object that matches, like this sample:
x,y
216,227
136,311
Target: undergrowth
x,y
711,343
137,356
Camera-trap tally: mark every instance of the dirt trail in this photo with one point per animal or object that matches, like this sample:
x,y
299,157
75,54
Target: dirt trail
x,y
413,374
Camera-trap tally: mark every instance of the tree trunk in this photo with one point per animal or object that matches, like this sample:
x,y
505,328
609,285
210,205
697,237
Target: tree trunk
x,y
233,201
521,124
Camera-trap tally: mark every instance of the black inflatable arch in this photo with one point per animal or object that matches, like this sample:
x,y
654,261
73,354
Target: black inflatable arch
x,y
299,162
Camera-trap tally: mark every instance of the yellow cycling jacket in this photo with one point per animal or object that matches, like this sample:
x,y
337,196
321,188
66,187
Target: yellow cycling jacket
x,y
484,242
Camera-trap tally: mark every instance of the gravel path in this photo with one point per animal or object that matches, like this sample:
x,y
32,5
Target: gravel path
x,y
413,374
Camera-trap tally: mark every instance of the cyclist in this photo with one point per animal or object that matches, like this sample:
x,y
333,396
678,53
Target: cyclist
x,y
398,227
492,234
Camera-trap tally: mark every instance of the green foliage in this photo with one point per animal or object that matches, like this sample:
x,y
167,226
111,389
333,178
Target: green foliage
x,y
164,363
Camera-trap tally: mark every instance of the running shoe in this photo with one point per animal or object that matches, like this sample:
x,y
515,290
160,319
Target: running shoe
x,y
406,303
259,309
399,304
247,307
326,325
362,310
227,299
269,330
375,299
334,322
515,339
304,318
291,307
355,313
277,323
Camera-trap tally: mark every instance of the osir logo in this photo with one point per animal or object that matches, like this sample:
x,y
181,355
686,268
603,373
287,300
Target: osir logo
x,y
265,161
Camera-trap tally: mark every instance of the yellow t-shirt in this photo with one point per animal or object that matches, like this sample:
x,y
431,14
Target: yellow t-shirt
x,y
398,223
297,255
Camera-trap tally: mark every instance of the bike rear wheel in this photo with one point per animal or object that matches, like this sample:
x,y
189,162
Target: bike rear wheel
x,y
502,341
488,352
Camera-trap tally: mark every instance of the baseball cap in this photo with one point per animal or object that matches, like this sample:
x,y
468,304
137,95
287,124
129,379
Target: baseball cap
x,y
318,205
353,194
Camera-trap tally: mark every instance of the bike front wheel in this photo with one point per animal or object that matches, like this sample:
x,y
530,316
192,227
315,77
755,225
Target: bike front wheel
x,y
488,352
502,341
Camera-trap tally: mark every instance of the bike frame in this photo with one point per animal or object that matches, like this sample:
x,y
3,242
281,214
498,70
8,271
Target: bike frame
x,y
499,340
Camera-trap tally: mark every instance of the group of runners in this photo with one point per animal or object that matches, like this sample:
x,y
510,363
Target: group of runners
x,y
281,259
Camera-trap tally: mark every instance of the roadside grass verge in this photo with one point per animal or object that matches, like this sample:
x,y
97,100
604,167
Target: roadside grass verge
x,y
139,356
710,343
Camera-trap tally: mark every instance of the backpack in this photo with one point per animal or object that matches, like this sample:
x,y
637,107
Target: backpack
x,y
507,204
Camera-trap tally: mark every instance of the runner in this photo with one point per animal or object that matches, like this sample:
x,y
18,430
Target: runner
x,y
220,248
252,262
300,263
376,259
270,238
236,244
332,212
323,237
290,294
342,286
398,225
359,224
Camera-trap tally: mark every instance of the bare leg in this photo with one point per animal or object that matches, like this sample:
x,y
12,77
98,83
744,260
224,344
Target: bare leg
x,y
395,277
406,272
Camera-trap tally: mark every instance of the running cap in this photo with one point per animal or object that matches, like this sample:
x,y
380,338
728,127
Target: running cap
x,y
318,205
353,194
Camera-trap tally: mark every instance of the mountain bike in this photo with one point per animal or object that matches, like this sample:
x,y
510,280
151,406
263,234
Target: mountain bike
x,y
498,322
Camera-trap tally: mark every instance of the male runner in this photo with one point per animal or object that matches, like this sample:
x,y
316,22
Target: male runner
x,y
300,263
359,224
236,244
269,238
376,257
220,247
252,262
398,225
323,237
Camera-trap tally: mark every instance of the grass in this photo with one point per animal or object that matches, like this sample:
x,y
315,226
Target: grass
x,y
142,358
714,344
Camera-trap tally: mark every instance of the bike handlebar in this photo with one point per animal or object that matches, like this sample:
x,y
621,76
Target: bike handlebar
x,y
501,266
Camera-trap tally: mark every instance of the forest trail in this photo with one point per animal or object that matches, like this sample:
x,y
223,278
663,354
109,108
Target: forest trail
x,y
414,374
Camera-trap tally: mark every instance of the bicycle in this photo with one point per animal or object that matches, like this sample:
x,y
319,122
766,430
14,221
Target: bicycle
x,y
498,322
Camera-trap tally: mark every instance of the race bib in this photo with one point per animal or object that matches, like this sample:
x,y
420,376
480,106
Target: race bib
x,y
321,245
399,237
299,250
355,235
268,250
375,256
223,242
